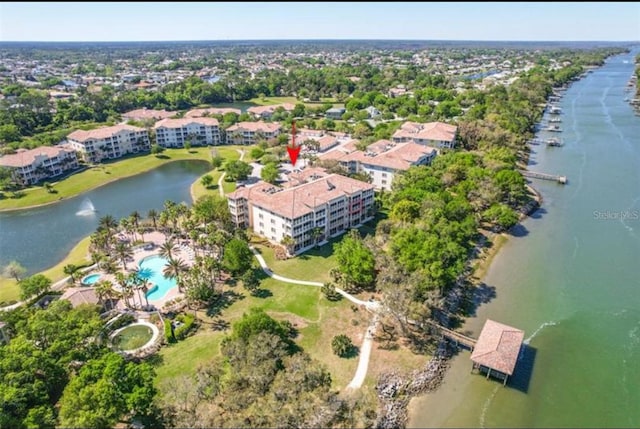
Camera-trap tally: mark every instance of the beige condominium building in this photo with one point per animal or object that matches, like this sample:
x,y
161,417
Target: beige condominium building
x,y
109,142
197,131
313,206
31,166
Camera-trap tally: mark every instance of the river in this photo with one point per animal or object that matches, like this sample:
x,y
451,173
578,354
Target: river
x,y
39,238
570,279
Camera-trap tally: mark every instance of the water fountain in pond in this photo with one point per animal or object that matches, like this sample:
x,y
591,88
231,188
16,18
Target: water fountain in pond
x,y
86,208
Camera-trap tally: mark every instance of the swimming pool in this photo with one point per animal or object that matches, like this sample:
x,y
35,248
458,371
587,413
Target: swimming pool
x,y
151,269
91,279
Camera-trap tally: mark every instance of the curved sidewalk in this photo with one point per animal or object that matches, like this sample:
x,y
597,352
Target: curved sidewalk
x,y
367,342
370,305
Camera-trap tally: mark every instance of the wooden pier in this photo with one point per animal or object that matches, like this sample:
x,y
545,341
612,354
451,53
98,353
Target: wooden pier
x,y
456,337
545,176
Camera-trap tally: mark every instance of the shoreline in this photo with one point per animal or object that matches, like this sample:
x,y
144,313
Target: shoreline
x,y
111,180
397,393
51,271
399,406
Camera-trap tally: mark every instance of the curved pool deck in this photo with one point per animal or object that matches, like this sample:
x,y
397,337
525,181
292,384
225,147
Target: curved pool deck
x,y
90,279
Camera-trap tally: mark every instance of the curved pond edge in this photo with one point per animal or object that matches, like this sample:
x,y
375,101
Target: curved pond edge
x,y
154,337
68,197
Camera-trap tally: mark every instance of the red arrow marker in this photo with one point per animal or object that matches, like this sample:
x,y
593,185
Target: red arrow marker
x,y
293,150
293,154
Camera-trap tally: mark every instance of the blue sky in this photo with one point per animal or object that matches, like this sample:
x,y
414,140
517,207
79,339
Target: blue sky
x,y
331,20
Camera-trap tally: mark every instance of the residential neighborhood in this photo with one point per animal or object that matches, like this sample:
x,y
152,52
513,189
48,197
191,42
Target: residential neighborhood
x,y
260,231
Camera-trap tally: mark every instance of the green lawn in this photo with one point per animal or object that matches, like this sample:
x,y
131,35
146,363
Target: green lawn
x,y
100,175
228,153
184,357
79,255
267,101
313,265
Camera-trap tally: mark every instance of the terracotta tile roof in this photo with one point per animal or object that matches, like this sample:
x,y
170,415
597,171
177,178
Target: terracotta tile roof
x,y
327,142
141,114
80,295
101,133
498,347
196,113
27,157
265,127
299,200
383,153
183,122
430,131
307,132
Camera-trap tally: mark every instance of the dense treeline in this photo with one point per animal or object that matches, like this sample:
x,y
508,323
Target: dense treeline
x,y
59,356
260,379
438,215
27,112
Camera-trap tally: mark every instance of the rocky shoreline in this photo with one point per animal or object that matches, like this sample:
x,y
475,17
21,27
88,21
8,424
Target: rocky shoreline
x,y
394,390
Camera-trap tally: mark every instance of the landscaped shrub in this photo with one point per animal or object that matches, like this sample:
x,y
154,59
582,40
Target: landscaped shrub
x,y
168,332
342,345
122,321
187,323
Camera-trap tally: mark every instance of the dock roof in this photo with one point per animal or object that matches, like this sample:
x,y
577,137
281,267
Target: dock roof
x,y
498,347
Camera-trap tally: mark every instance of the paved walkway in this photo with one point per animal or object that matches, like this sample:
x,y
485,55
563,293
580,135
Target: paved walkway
x,y
367,342
365,353
370,305
220,188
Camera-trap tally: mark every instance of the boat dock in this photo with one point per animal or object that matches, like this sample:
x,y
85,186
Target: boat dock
x,y
553,141
555,110
544,176
553,129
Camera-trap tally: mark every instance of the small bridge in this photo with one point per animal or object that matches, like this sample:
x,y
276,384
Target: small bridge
x,y
544,176
456,337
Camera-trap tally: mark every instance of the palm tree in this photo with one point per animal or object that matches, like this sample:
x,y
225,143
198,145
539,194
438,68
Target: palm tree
x,y
126,226
135,279
153,215
174,269
288,242
135,221
123,251
144,286
168,248
108,223
71,271
104,290
316,233
122,281
212,266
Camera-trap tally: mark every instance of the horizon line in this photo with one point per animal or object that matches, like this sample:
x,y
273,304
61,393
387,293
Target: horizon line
x,y
321,39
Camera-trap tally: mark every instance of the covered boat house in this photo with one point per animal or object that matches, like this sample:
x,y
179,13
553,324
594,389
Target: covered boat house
x,y
497,349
